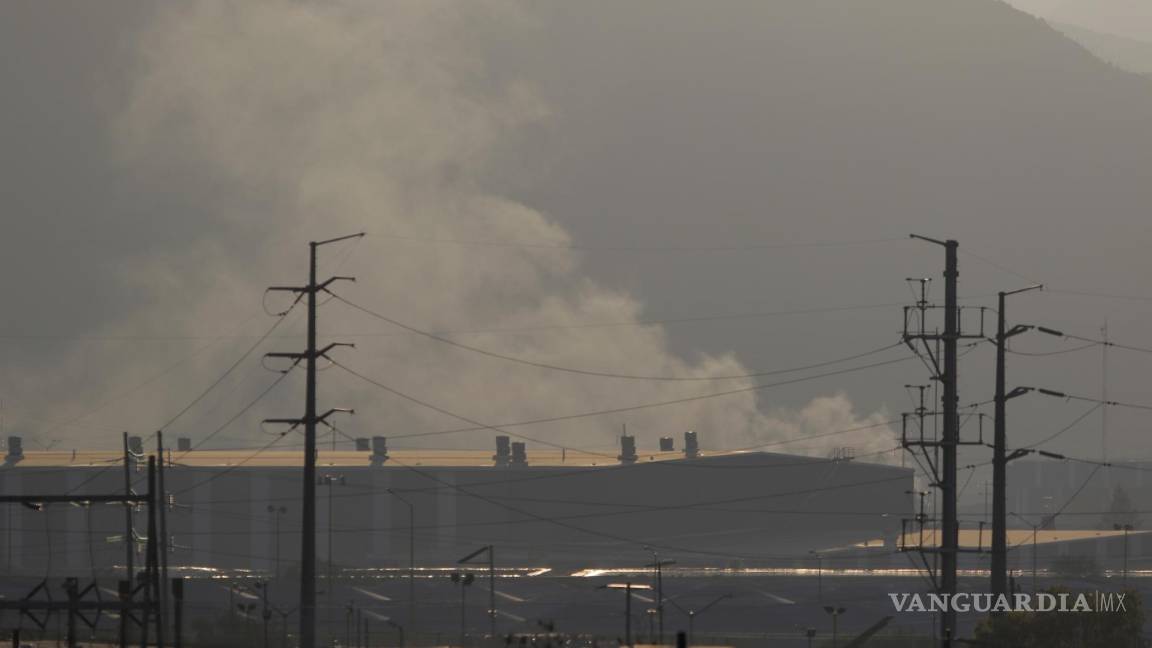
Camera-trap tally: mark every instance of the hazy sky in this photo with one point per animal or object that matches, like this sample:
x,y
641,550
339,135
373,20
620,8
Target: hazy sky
x,y
1130,18
576,169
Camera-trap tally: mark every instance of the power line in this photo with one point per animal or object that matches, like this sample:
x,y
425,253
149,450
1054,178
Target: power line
x,y
686,319
612,536
1065,428
1052,353
1110,403
635,248
632,408
200,397
603,374
1084,293
230,369
998,266
220,473
1107,343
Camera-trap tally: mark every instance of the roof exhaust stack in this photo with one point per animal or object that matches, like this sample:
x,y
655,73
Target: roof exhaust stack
x,y
627,449
15,448
379,450
135,452
519,455
503,452
667,444
691,445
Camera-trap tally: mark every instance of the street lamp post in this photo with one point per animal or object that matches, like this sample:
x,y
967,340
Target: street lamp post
x,y
692,614
835,612
276,512
491,551
658,566
1125,528
819,574
1035,530
411,561
330,481
627,587
464,580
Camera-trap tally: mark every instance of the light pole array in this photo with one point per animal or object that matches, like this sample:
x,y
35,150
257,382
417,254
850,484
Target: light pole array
x,y
1125,528
1035,531
627,587
835,612
411,561
692,614
276,512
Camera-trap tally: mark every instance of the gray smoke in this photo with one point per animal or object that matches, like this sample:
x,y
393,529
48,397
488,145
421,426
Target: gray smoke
x,y
244,130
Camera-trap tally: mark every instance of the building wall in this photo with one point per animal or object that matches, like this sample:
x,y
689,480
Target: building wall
x,y
713,510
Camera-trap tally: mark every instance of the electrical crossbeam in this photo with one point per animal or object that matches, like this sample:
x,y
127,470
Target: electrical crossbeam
x,y
145,596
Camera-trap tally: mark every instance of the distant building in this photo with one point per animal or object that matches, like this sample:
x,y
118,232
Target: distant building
x,y
537,507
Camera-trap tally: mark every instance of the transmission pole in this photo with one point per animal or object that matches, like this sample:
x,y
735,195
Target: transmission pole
x,y
943,472
951,438
129,528
1000,458
309,421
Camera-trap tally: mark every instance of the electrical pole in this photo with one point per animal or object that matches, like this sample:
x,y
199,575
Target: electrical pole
x,y
999,447
945,370
309,421
129,529
658,571
951,438
491,551
162,511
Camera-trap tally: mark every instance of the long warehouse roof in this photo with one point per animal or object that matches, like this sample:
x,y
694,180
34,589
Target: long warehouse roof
x,y
352,458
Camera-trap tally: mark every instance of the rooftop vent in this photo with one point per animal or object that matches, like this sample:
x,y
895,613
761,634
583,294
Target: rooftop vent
x,y
183,444
519,454
503,452
379,450
362,444
691,445
15,447
627,449
667,444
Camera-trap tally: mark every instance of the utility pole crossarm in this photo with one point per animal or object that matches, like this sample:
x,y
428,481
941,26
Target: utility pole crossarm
x,y
335,410
324,352
328,282
294,422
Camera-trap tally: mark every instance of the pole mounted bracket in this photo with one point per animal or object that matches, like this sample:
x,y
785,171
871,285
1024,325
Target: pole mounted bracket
x,y
1019,391
1016,454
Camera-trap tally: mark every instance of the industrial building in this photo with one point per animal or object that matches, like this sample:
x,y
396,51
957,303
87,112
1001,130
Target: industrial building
x,y
376,507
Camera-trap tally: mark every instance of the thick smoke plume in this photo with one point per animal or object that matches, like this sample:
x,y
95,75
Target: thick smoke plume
x,y
273,124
